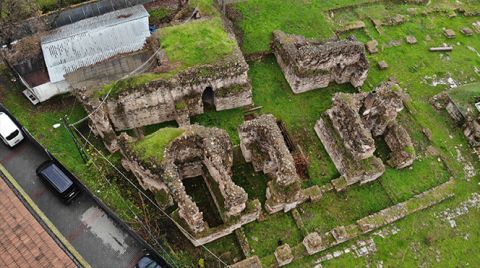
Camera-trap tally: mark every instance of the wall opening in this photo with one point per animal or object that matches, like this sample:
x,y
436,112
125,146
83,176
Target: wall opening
x,y
198,190
208,99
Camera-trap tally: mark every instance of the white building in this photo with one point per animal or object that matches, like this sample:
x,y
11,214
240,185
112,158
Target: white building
x,y
87,42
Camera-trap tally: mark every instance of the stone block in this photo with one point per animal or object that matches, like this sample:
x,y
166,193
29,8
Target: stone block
x,y
252,262
382,65
313,243
340,234
410,39
283,255
467,31
449,33
372,46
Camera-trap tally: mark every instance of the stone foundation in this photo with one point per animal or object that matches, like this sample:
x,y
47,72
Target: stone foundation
x,y
198,151
308,65
252,262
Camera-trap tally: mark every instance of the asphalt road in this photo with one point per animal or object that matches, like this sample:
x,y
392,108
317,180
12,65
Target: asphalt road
x,y
100,241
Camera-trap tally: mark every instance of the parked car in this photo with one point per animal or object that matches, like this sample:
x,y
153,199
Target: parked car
x,y
147,261
10,133
59,180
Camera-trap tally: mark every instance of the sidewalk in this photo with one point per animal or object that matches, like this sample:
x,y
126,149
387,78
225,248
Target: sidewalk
x,y
25,241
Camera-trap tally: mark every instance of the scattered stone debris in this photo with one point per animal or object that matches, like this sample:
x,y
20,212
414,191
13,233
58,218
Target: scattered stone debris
x,y
434,80
410,39
382,65
372,46
476,26
387,231
309,64
361,248
468,168
395,43
449,33
449,215
467,31
364,247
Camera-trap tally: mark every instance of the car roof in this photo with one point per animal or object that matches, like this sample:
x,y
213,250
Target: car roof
x,y
56,177
7,126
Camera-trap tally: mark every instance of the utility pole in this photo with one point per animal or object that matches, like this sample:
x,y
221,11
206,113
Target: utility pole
x,y
80,148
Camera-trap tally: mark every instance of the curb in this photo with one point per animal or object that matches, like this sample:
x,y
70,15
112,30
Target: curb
x,y
45,222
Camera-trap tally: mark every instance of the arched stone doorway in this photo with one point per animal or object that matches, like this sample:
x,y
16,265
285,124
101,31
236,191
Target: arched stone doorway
x,y
208,99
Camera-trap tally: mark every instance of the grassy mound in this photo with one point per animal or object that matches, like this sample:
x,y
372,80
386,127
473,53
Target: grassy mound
x,y
153,146
198,42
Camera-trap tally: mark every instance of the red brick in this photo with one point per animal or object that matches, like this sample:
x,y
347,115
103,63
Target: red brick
x,y
24,241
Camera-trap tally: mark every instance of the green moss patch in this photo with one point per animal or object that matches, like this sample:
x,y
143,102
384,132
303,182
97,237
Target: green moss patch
x,y
197,42
153,146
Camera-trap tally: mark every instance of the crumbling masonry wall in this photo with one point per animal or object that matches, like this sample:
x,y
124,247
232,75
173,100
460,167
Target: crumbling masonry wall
x,y
347,130
263,145
309,64
199,151
178,97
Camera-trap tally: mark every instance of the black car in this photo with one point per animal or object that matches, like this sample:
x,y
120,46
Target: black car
x,y
59,179
148,261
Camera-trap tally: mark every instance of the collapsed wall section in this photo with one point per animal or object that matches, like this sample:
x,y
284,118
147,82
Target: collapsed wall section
x,y
263,145
308,65
347,128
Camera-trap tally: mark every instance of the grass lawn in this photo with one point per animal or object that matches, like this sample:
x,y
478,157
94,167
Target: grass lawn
x,y
264,236
196,42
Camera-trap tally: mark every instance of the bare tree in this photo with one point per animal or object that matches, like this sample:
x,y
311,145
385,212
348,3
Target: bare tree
x,y
12,12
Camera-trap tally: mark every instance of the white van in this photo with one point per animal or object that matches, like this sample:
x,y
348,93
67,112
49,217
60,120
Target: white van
x,y
10,134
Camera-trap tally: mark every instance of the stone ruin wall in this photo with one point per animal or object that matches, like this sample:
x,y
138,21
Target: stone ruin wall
x,y
199,151
347,122
308,65
400,144
262,144
347,130
157,102
177,98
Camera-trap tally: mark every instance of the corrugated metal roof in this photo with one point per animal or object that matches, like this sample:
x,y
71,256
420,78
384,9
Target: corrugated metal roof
x,y
95,39
105,20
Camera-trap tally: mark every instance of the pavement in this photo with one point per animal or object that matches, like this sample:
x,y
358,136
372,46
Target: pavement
x,y
96,236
